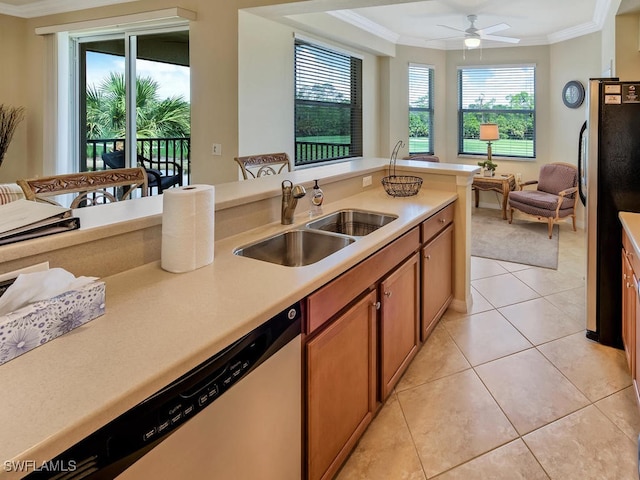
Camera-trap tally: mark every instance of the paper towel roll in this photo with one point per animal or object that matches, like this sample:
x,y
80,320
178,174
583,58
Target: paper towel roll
x,y
187,228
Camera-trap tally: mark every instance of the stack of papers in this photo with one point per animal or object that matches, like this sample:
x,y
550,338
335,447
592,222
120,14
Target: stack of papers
x,y
24,219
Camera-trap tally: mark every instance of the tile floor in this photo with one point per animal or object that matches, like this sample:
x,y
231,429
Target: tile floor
x,y
512,390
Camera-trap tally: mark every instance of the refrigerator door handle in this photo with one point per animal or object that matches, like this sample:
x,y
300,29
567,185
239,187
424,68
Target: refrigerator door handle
x,y
581,166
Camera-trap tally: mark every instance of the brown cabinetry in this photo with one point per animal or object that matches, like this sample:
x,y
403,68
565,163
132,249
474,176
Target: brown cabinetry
x,y
437,264
399,322
341,381
363,330
631,308
342,390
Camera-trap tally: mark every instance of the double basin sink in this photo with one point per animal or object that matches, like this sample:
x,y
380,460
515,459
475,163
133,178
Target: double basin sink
x,y
317,239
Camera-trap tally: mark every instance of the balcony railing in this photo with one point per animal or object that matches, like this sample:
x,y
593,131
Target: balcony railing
x,y
311,152
160,151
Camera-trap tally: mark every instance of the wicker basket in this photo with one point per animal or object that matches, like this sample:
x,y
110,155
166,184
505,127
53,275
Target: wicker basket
x,y
401,185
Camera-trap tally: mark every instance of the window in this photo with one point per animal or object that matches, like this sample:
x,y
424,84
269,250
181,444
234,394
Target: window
x,y
503,95
420,109
328,104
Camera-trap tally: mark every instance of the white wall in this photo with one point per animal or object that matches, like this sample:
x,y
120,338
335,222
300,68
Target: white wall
x,y
266,88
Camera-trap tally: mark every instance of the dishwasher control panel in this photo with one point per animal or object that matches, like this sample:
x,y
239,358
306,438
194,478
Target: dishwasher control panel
x,y
113,448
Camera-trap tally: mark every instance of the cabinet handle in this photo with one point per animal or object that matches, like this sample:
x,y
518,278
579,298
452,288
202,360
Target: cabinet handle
x,y
442,220
628,285
427,256
376,305
387,294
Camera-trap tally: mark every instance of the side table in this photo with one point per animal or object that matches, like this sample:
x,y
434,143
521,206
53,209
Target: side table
x,y
499,183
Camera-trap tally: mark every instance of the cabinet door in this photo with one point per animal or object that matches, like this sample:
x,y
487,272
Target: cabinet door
x,y
437,279
399,322
628,312
340,387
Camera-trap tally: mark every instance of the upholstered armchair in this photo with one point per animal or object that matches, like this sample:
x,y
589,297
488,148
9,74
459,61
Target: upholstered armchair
x,y
554,198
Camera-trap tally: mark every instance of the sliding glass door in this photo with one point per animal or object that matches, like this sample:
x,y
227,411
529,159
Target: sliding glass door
x,y
132,96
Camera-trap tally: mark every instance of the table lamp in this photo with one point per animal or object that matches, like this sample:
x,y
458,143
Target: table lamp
x,y
489,133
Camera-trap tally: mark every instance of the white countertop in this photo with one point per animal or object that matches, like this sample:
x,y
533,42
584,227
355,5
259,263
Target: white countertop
x,y
158,325
631,223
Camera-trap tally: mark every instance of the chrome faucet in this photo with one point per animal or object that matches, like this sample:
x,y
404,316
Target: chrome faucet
x,y
290,195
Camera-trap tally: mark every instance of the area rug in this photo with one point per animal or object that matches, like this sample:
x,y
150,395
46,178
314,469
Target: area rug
x,y
523,241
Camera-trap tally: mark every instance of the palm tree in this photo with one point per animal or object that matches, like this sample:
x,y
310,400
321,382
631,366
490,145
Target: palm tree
x,y
155,118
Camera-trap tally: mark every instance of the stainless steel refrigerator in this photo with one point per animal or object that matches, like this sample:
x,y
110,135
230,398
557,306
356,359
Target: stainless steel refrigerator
x,y
609,170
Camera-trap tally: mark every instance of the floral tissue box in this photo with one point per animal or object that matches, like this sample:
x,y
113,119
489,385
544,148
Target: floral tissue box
x,y
39,322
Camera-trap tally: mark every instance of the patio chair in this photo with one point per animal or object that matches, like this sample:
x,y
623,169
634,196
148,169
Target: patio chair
x,y
156,177
554,198
254,166
93,188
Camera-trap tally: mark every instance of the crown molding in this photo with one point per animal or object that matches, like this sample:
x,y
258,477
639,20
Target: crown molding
x,y
51,7
357,20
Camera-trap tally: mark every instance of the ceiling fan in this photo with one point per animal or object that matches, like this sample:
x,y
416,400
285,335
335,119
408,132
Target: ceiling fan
x,y
473,35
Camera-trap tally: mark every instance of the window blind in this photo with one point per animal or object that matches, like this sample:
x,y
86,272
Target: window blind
x,y
420,109
328,104
504,95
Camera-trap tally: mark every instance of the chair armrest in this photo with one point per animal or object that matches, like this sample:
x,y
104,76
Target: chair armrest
x,y
156,178
147,163
567,191
530,182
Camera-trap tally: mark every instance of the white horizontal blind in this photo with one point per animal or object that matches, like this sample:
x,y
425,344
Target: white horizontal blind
x,y
497,94
328,104
420,109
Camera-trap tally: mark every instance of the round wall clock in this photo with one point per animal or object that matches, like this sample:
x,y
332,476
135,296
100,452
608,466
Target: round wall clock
x,y
573,94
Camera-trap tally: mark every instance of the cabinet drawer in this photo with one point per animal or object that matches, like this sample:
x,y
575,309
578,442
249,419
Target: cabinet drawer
x,y
336,295
436,223
632,254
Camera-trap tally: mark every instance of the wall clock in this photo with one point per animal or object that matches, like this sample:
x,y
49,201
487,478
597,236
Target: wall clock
x,y
573,94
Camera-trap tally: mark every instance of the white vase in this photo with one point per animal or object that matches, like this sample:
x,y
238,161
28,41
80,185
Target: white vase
x,y
489,173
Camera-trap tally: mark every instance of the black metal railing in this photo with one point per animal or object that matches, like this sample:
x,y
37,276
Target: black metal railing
x,y
161,153
310,152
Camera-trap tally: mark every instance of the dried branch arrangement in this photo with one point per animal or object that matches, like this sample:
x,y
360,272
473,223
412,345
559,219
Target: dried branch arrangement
x,y
10,117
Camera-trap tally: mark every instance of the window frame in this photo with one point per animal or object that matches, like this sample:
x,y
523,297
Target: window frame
x,y
489,115
428,110
319,152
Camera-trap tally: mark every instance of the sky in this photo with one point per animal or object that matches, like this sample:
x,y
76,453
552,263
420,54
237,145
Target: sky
x,y
173,79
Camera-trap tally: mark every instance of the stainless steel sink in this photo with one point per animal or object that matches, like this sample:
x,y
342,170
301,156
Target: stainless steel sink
x,y
352,222
295,248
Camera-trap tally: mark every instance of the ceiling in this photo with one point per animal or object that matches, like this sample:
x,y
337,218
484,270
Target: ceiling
x,y
407,22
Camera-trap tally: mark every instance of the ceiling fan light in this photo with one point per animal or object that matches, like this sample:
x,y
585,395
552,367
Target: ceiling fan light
x,y
472,42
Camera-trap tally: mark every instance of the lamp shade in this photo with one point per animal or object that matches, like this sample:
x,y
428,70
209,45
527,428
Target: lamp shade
x,y
489,132
472,42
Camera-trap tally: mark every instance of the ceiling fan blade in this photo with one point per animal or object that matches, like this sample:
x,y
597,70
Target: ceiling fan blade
x,y
494,28
499,38
452,28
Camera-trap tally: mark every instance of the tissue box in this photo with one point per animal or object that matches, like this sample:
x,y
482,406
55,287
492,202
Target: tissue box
x,y
36,324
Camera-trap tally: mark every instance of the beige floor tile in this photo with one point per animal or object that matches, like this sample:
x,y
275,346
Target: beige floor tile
x,y
485,267
513,267
572,302
486,336
385,451
584,446
437,358
597,370
530,390
480,304
503,290
453,420
547,281
513,461
622,409
541,321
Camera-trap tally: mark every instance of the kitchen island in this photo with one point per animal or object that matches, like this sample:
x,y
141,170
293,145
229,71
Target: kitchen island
x,y
158,325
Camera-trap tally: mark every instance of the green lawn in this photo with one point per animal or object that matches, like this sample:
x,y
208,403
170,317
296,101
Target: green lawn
x,y
505,147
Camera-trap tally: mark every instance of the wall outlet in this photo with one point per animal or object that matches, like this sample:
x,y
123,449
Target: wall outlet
x,y
366,181
216,149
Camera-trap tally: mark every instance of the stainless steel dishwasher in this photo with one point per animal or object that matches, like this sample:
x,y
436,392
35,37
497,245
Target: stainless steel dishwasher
x,y
236,416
